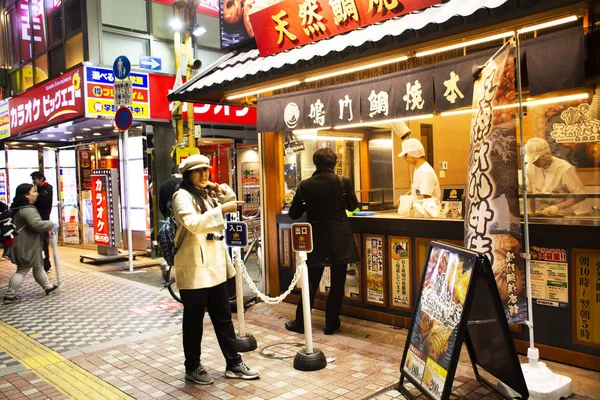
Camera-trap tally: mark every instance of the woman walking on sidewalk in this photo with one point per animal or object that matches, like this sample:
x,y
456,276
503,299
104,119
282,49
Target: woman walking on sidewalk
x,y
202,266
27,249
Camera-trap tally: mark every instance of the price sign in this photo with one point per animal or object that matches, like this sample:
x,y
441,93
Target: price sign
x,y
123,93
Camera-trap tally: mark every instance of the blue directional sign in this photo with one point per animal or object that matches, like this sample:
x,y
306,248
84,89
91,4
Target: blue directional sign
x,y
121,67
123,118
151,63
236,234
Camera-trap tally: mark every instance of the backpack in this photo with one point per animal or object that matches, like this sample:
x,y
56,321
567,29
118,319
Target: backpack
x,y
166,240
8,229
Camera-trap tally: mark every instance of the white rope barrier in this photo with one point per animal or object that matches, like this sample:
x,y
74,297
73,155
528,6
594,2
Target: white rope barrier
x,y
262,296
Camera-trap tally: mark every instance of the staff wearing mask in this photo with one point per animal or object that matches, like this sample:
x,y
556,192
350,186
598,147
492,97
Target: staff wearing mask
x,y
549,174
425,182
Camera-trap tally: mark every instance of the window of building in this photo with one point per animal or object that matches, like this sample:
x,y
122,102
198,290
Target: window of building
x,y
130,14
73,19
74,50
55,31
161,15
212,37
15,82
114,45
166,52
57,61
26,76
207,56
13,38
40,72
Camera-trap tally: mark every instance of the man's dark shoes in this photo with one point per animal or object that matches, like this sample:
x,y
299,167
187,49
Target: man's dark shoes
x,y
294,327
199,376
52,289
332,331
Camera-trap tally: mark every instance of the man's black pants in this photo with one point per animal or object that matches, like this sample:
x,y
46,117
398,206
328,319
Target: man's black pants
x,y
195,303
47,264
335,297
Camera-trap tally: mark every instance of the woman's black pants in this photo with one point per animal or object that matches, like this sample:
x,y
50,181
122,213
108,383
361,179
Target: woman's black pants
x,y
195,303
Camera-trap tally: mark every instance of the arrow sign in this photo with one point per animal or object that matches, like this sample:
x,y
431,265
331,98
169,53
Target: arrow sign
x,y
151,63
123,118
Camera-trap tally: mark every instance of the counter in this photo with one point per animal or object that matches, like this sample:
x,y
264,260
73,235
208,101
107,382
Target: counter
x,y
383,286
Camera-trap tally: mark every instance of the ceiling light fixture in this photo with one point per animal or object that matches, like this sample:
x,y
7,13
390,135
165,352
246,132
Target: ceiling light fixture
x,y
68,132
86,129
466,44
549,24
49,135
356,69
326,137
79,137
107,125
198,31
386,121
530,103
97,134
312,131
259,91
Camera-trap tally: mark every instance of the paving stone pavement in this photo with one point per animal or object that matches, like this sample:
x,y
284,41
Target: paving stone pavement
x,y
91,321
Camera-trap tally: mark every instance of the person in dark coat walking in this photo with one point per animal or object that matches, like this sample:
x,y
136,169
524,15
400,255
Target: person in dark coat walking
x,y
44,207
325,197
166,191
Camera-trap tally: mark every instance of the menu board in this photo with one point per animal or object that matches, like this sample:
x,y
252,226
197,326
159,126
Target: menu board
x,y
549,276
587,296
400,272
352,288
374,259
433,339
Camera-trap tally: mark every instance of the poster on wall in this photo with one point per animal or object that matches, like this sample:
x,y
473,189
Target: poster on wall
x,y
374,265
353,275
3,196
587,296
492,220
573,133
433,336
4,120
285,257
85,168
400,272
236,28
549,277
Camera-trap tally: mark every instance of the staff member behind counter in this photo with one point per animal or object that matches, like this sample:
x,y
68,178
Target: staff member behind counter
x,y
425,182
548,174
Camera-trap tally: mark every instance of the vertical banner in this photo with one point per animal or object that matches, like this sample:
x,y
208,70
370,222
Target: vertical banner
x,y
374,261
147,204
492,221
100,207
3,191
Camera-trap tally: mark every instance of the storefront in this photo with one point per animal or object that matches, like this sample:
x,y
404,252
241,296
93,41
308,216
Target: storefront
x,y
65,128
348,91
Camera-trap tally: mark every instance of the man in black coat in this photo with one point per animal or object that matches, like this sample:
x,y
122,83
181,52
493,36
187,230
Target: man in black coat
x,y
44,207
325,197
166,191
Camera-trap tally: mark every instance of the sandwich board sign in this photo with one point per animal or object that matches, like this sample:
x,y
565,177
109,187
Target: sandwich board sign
x,y
458,302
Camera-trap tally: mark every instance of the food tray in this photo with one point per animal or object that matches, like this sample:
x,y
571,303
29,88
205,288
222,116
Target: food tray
x,y
364,213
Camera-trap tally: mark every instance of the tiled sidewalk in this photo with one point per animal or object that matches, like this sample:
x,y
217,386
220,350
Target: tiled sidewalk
x,y
90,322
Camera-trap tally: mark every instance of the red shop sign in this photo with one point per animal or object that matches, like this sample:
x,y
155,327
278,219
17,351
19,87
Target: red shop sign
x,y
100,207
52,102
208,7
293,23
162,85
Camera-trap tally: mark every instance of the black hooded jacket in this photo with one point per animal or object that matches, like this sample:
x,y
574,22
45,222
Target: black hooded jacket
x,y
44,201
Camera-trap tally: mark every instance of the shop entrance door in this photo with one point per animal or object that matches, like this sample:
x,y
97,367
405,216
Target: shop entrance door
x,y
68,200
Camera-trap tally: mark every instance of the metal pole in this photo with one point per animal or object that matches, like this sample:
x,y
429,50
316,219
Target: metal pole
x,y
306,303
239,292
525,202
127,197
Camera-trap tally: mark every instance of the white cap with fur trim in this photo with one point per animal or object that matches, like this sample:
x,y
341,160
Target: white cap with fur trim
x,y
195,161
413,148
535,148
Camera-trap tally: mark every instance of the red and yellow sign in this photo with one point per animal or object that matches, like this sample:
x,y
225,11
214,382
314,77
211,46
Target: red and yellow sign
x,y
100,208
293,23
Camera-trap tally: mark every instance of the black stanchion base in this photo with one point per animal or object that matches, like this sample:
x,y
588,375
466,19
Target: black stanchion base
x,y
310,362
246,343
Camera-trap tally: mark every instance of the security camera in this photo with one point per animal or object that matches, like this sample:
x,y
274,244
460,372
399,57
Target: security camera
x,y
196,64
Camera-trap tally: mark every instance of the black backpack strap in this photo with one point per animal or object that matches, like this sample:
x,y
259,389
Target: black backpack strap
x,y
343,189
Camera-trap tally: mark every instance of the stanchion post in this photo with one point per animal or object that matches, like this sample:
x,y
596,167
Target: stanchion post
x,y
309,359
236,237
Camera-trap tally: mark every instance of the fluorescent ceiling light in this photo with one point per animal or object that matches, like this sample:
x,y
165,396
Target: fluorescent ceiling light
x,y
565,20
86,129
466,44
259,91
326,137
79,137
355,69
530,103
312,131
50,135
107,125
198,31
385,121
68,132
29,145
63,140
97,134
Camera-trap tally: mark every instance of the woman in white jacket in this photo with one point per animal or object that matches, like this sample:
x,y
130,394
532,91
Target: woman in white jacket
x,y
202,266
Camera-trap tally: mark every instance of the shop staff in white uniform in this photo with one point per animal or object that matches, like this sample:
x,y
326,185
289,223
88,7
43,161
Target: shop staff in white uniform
x,y
425,182
549,174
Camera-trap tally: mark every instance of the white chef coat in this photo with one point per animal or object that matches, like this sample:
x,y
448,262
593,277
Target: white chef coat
x,y
425,182
559,177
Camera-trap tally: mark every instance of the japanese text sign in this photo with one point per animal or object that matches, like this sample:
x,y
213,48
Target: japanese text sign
x,y
100,208
123,91
55,101
302,237
100,96
4,119
236,234
293,23
31,27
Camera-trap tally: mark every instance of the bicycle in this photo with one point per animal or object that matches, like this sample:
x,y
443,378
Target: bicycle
x,y
252,219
